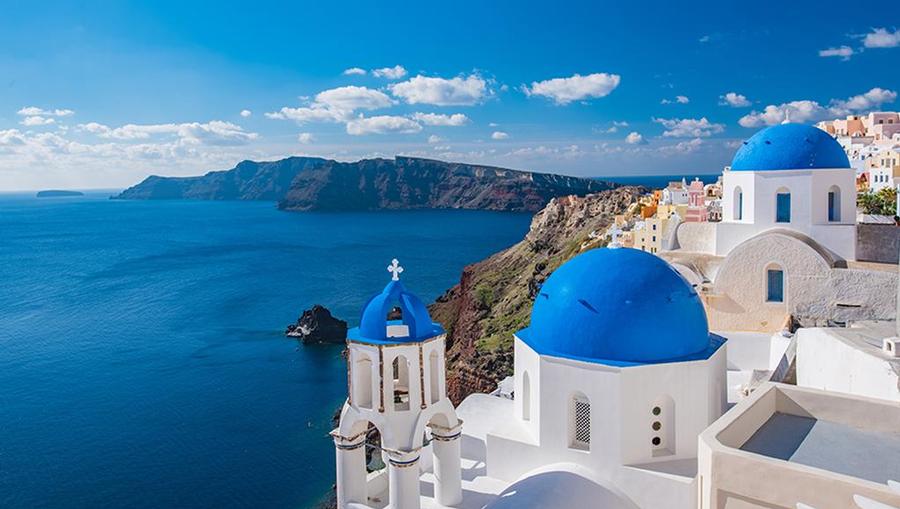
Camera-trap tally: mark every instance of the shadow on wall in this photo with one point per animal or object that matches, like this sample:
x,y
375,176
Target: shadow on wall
x,y
559,489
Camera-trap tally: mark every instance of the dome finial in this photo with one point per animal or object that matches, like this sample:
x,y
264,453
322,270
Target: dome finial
x,y
395,269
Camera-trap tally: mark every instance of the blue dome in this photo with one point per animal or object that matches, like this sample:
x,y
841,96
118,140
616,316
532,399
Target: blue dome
x,y
618,306
415,323
789,147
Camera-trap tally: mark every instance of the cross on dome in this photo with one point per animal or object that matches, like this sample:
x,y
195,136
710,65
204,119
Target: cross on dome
x,y
395,269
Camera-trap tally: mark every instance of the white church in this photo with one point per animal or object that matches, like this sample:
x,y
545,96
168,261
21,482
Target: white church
x,y
623,397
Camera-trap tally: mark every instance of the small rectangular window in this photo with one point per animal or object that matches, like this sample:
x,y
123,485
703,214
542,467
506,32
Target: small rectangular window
x,y
783,208
832,211
774,285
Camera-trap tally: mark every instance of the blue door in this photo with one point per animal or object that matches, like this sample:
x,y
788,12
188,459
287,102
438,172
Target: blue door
x,y
783,208
775,285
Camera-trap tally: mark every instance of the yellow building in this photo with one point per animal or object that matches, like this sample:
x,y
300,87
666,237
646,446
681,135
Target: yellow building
x,y
647,234
665,211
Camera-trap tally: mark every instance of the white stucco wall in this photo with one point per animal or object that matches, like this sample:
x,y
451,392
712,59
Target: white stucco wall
x,y
842,360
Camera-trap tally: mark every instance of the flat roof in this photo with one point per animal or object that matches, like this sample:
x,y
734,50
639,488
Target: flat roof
x,y
870,455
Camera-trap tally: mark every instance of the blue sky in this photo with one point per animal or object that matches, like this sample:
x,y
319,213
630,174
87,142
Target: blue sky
x,y
103,94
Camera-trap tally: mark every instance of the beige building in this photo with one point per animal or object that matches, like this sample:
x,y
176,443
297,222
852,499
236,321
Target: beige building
x,y
647,235
791,447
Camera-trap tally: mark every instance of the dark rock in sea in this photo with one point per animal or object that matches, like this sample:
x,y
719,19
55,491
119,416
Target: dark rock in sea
x,y
311,183
316,325
58,193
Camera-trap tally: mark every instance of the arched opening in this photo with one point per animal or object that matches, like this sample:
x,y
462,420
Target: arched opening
x,y
774,283
362,381
434,376
580,422
738,204
395,326
783,205
526,397
362,475
662,426
834,204
401,383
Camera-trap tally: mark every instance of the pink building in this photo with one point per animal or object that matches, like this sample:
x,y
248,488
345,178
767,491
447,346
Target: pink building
x,y
696,211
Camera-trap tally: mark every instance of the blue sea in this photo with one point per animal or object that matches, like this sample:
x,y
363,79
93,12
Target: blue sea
x,y
142,361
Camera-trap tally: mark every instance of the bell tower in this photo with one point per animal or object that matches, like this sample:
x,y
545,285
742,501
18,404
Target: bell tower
x,y
396,384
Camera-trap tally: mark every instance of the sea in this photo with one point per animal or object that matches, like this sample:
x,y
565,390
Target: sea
x,y
142,356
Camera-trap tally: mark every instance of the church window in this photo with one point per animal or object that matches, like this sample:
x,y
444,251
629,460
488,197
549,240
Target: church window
x,y
401,383
362,382
738,204
834,204
774,285
662,425
434,369
581,422
783,207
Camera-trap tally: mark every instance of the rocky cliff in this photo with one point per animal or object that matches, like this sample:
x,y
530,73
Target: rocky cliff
x,y
306,183
493,298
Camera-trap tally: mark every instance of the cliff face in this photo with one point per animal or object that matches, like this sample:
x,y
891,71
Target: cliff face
x,y
493,298
303,183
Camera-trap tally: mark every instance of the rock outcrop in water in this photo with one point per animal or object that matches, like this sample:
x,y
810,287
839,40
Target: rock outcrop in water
x,y
58,193
317,325
493,298
311,183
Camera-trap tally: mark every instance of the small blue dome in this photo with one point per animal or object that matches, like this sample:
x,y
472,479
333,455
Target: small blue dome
x,y
789,147
618,306
414,325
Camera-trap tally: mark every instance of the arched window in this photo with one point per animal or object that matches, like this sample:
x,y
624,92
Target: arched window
x,y
526,397
783,205
362,382
774,284
401,383
433,370
662,427
738,204
580,422
834,204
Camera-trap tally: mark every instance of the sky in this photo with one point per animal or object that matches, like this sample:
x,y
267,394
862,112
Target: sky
x,y
103,94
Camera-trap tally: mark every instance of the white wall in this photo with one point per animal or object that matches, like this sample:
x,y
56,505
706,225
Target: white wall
x,y
828,362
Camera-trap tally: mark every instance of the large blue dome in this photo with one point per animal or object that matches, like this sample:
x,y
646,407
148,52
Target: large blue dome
x,y
618,306
789,147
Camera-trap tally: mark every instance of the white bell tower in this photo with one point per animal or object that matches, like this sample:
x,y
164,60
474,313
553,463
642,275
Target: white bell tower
x,y
396,379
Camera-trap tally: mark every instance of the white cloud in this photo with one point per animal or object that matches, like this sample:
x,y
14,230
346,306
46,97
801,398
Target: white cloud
x,y
882,38
354,71
456,119
705,38
433,139
689,127
575,88
352,98
499,135
335,105
37,121
306,138
796,111
734,99
872,99
246,113
635,138
684,147
391,73
493,124
383,124
679,99
844,52
457,91
215,132
808,111
31,111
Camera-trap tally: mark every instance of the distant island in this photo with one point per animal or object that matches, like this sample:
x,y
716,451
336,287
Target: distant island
x,y
57,193
312,183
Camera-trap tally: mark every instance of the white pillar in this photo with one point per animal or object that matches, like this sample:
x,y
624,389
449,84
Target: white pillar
x,y
447,469
403,479
350,455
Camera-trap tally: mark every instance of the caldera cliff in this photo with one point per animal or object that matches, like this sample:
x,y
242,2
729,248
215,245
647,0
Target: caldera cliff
x,y
311,183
